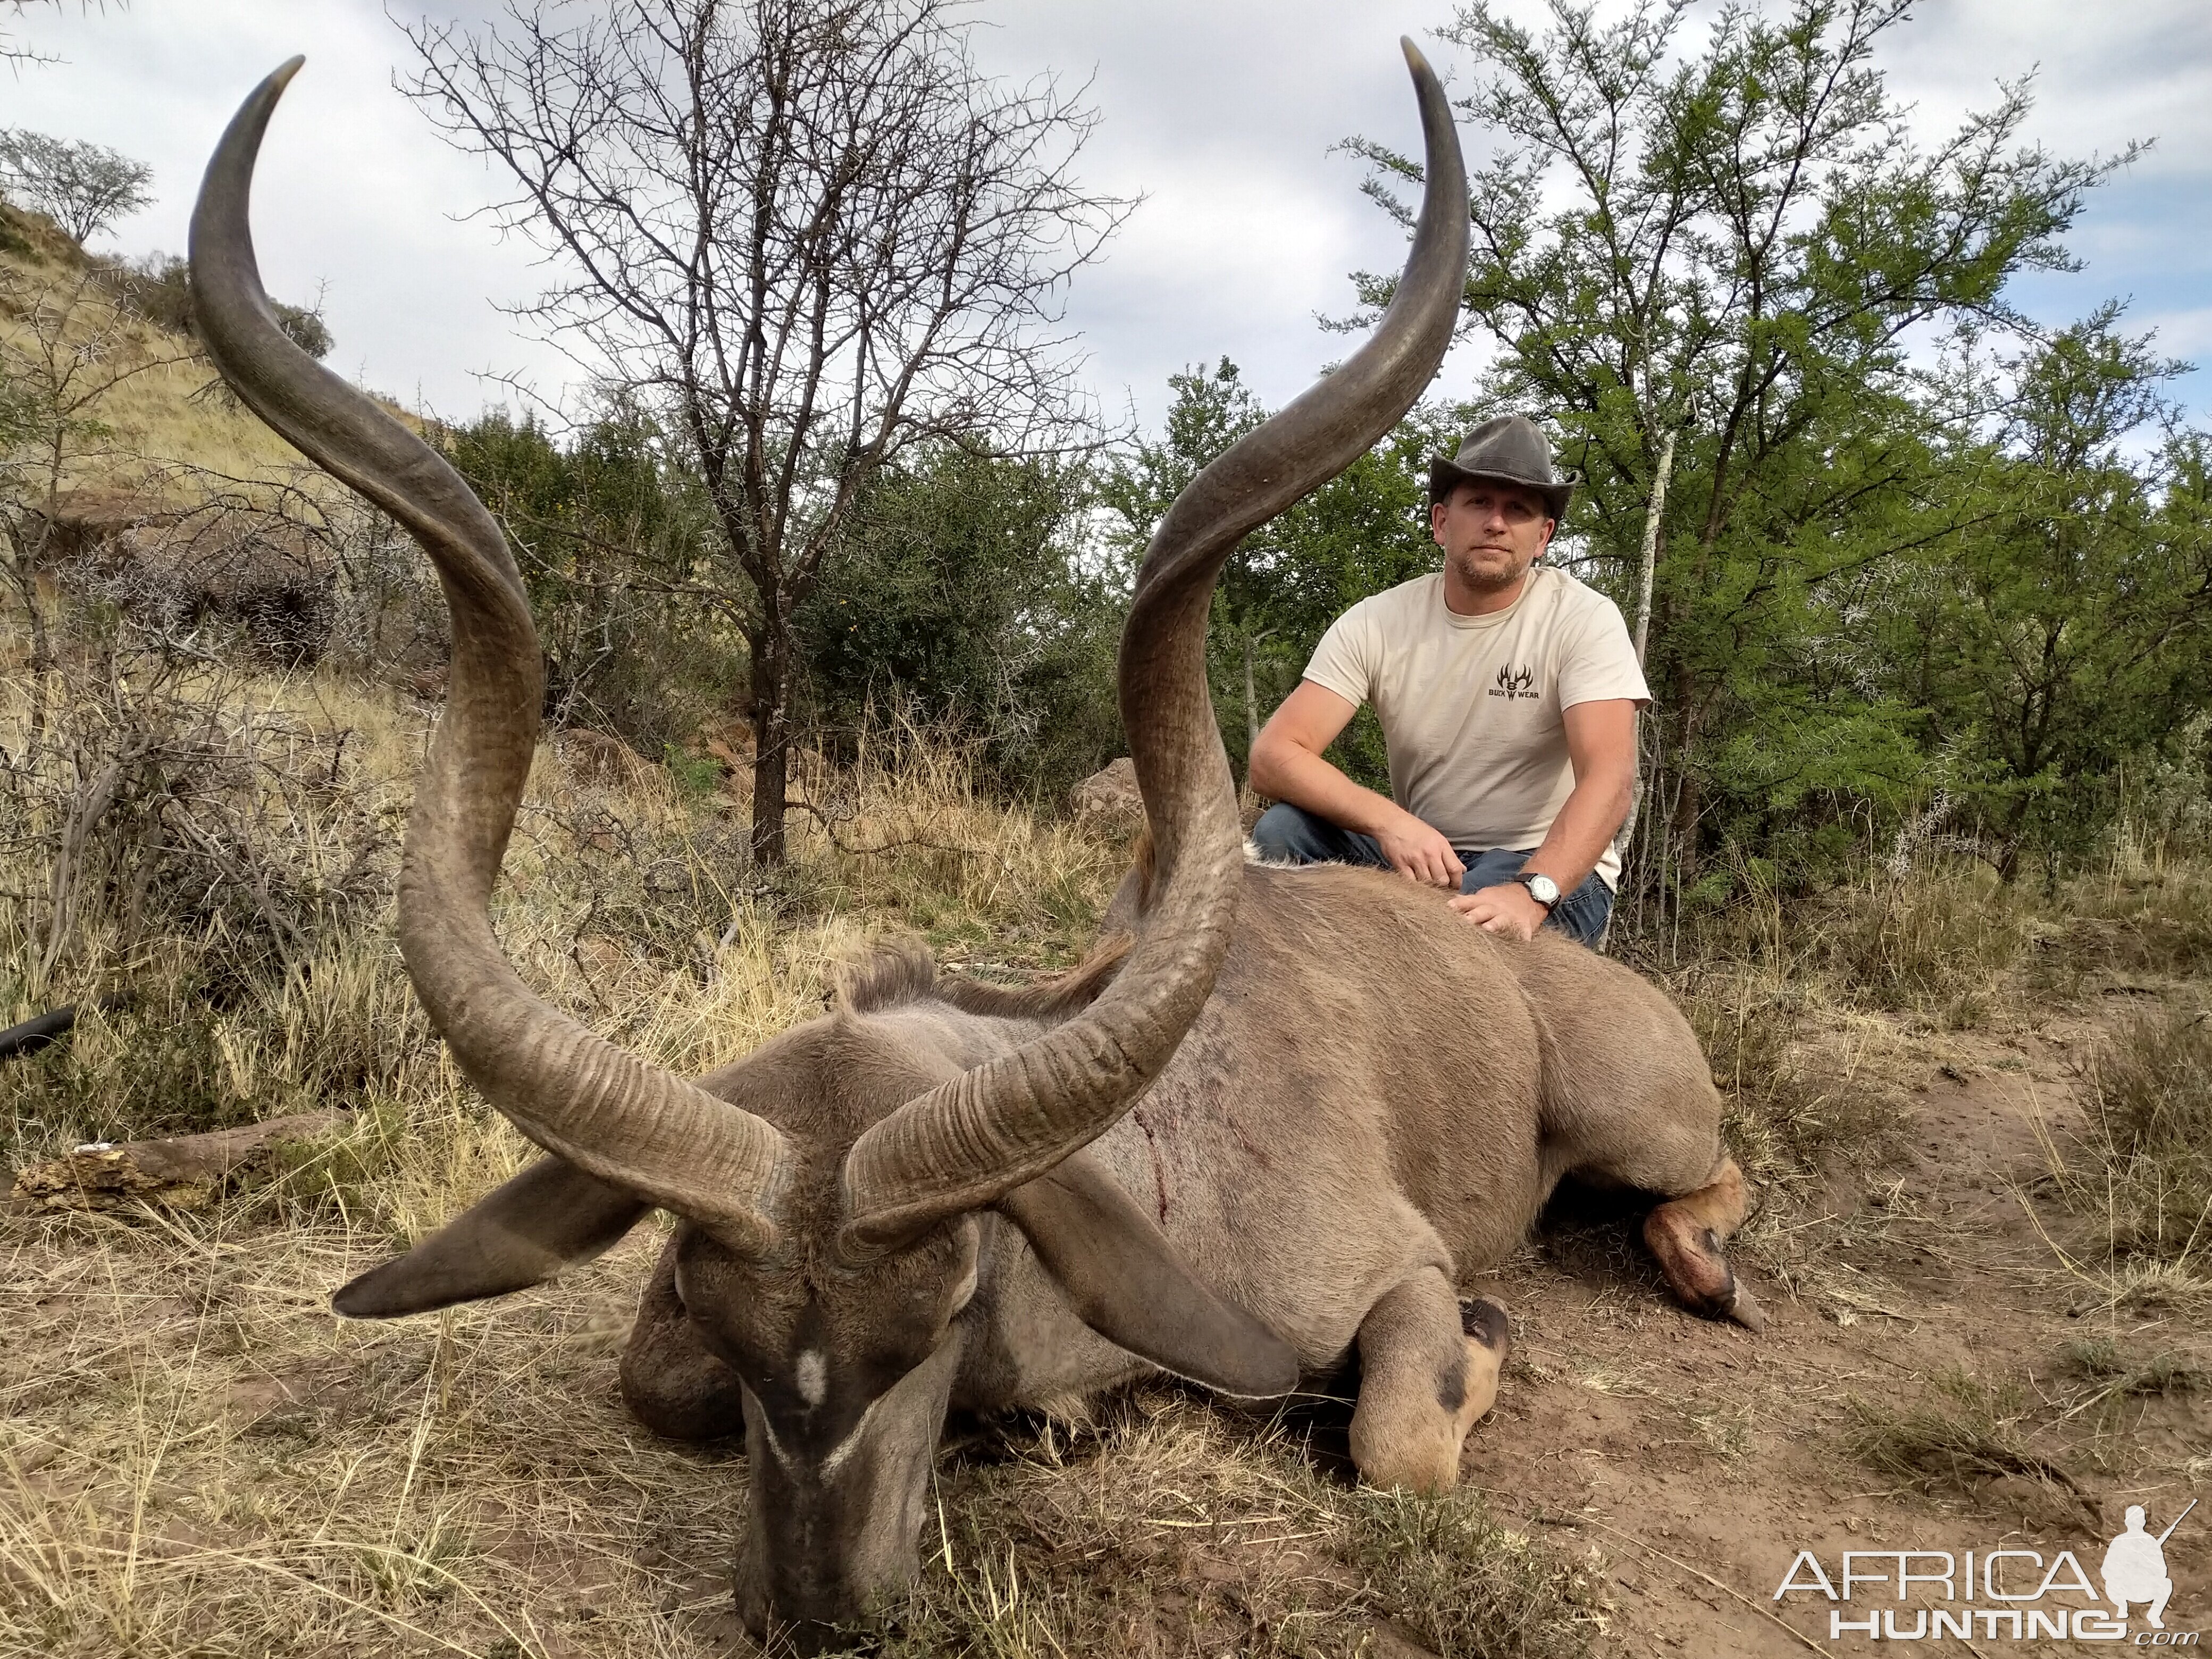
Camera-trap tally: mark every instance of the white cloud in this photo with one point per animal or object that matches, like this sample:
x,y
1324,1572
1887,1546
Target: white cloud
x,y
355,198
1221,112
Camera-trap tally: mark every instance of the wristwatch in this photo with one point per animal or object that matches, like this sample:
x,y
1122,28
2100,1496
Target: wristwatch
x,y
1542,889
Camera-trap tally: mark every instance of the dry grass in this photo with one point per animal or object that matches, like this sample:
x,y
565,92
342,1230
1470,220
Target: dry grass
x,y
2139,1168
2148,912
2115,1376
199,1459
1810,1009
1169,1528
2019,1444
1968,1437
166,415
1806,1067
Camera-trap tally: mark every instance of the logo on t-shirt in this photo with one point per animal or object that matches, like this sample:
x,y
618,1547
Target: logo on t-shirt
x,y
1515,682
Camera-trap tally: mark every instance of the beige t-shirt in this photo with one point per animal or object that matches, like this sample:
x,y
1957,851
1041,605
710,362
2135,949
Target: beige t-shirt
x,y
1471,706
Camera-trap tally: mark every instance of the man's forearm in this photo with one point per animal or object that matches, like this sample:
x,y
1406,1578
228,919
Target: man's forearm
x,y
1587,821
1288,773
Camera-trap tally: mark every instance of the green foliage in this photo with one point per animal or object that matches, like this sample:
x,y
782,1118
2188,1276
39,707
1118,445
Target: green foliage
x,y
697,776
1364,530
1734,239
2060,630
956,594
607,530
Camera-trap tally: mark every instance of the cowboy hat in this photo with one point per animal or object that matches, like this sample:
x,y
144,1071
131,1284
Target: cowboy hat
x,y
1507,449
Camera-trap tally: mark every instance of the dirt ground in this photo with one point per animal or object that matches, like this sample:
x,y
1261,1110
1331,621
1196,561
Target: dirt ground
x,y
1702,1458
195,1458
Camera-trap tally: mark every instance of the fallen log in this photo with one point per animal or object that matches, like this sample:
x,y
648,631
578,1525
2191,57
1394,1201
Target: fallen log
x,y
180,1172
33,1035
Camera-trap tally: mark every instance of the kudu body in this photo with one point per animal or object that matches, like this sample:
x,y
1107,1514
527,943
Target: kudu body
x,y
1345,1099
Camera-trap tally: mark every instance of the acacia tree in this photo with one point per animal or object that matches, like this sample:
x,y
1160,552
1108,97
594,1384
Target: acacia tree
x,y
81,187
1722,252
808,234
2062,631
1365,529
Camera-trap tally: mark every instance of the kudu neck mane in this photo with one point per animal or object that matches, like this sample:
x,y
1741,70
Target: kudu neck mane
x,y
895,975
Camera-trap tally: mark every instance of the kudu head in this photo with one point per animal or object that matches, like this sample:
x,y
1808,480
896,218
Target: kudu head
x,y
838,1188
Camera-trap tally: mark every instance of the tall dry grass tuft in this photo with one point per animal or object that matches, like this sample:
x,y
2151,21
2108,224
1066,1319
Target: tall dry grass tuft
x,y
1970,1437
2139,1165
2146,913
1935,944
1781,1015
907,831
1795,996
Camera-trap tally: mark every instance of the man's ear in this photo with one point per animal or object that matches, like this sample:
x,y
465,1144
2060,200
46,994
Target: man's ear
x,y
550,1215
1125,1282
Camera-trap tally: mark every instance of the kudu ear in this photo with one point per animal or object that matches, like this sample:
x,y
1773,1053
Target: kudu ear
x,y
1125,1281
525,1232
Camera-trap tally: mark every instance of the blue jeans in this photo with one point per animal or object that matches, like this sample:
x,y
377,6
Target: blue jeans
x,y
1291,835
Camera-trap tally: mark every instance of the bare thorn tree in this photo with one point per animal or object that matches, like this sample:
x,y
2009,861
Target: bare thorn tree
x,y
70,350
811,232
81,187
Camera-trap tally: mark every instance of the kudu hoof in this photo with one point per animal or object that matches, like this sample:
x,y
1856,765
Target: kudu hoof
x,y
1484,1318
1743,1308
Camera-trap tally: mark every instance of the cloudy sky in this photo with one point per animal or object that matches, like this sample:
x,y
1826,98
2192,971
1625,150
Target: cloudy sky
x,y
1220,113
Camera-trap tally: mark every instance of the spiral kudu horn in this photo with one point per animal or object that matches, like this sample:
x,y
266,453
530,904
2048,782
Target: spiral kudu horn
x,y
603,1110
970,1141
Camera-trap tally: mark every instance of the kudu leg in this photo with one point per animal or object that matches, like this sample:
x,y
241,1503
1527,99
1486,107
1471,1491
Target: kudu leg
x,y
1424,1382
1687,1233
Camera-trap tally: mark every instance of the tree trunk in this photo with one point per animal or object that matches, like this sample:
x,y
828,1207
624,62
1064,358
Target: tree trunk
x,y
1251,710
770,714
1653,512
1687,804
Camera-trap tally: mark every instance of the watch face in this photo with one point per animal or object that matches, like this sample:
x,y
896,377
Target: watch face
x,y
1542,889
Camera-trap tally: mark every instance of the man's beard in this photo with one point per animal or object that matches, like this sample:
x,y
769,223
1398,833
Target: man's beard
x,y
1489,581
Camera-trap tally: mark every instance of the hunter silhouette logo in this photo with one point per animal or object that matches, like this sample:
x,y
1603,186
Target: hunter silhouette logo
x,y
1515,682
2135,1567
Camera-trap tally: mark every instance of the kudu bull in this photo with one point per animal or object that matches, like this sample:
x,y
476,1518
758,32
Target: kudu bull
x,y
938,1194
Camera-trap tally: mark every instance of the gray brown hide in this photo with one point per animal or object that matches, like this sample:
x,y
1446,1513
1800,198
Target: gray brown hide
x,y
1345,1098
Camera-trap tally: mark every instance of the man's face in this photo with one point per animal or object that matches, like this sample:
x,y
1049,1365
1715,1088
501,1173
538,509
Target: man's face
x,y
1491,533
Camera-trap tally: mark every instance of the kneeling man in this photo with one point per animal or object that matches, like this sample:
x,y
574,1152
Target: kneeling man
x,y
1507,692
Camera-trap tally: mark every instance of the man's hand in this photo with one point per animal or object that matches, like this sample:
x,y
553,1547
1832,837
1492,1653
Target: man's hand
x,y
1504,909
1421,854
